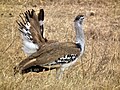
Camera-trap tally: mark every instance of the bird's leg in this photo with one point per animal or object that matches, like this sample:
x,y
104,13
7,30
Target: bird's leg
x,y
59,73
49,70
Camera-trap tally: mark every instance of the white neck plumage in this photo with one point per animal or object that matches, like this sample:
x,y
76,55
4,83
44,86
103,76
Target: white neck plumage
x,y
79,35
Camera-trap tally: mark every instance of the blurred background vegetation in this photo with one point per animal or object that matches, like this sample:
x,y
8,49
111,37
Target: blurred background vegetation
x,y
47,2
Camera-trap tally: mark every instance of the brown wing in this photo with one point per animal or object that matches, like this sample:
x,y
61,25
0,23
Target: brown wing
x,y
48,53
55,51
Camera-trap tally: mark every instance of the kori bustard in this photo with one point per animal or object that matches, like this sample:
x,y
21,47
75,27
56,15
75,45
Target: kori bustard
x,y
57,55
31,28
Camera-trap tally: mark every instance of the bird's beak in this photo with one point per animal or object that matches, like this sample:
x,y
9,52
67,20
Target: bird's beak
x,y
82,18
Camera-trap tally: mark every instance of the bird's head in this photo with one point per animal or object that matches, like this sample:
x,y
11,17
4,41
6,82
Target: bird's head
x,y
79,19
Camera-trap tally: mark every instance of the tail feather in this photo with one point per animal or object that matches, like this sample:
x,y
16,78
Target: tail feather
x,y
27,17
41,21
34,16
22,19
41,15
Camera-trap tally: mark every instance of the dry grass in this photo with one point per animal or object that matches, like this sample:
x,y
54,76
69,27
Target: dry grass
x,y
100,65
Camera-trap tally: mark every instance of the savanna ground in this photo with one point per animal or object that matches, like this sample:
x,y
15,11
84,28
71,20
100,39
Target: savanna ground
x,y
99,67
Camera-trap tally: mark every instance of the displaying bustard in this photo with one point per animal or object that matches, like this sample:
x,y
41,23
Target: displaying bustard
x,y
57,55
31,28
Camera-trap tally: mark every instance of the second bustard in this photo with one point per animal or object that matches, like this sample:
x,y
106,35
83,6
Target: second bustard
x,y
57,55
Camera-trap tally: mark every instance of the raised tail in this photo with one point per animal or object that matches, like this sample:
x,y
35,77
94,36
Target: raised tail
x,y
30,31
41,22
